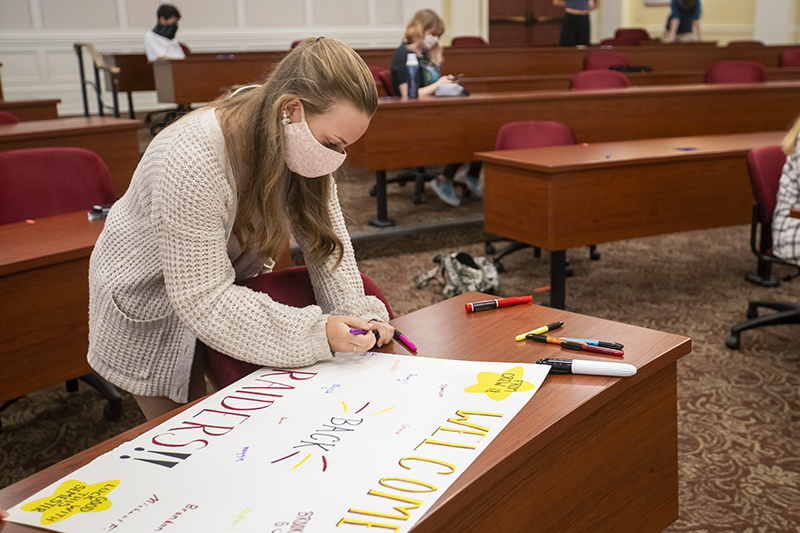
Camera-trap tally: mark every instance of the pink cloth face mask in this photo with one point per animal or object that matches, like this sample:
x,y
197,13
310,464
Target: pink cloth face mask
x,y
304,154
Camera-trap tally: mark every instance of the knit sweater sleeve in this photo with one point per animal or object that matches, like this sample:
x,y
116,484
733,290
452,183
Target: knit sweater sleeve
x,y
340,291
191,205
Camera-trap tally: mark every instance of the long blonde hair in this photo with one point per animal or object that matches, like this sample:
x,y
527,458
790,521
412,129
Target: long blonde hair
x,y
423,21
271,198
789,143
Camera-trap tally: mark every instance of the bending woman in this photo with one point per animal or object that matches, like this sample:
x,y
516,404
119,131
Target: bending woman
x,y
215,199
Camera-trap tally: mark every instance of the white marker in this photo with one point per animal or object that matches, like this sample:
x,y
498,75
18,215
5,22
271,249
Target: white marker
x,y
595,368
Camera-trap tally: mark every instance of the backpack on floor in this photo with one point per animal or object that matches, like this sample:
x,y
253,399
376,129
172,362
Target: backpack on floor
x,y
461,273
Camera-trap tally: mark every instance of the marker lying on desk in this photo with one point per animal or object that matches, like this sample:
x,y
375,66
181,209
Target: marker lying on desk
x,y
485,305
537,331
405,340
596,368
604,344
572,345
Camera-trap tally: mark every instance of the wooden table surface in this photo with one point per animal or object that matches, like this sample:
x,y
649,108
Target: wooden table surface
x,y
201,77
437,130
581,195
116,140
587,453
25,110
44,301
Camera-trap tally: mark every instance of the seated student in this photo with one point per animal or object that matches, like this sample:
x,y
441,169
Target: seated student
x,y
683,23
215,199
785,228
422,39
160,43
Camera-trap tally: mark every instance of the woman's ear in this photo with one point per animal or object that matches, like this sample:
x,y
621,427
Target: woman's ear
x,y
292,107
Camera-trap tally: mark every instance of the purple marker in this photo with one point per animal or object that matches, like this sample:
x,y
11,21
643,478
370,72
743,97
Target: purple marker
x,y
359,331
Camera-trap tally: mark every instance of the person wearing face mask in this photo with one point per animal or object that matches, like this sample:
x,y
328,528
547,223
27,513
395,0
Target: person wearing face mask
x,y
215,199
422,39
160,43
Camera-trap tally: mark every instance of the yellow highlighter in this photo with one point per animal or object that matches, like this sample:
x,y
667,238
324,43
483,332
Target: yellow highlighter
x,y
539,331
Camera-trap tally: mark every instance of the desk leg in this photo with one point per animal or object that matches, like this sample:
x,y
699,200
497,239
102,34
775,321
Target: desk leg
x,y
558,278
130,105
382,220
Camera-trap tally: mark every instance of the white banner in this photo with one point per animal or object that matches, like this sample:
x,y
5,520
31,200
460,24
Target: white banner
x,y
363,441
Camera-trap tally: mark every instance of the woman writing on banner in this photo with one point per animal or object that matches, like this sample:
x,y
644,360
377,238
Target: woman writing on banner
x,y
215,199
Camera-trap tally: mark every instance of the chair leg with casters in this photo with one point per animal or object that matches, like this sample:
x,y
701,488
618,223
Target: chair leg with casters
x,y
113,410
785,313
594,253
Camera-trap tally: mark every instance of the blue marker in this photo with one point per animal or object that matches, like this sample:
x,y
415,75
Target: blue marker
x,y
603,344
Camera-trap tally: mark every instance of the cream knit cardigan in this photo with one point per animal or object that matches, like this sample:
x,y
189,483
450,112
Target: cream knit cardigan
x,y
160,275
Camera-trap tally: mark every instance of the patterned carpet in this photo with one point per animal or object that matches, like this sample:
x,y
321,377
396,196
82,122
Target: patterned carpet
x,y
739,411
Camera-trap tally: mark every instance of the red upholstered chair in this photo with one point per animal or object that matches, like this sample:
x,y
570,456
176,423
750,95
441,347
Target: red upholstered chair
x,y
294,44
467,41
599,79
43,182
620,41
375,70
639,34
765,167
7,117
602,59
790,57
518,136
291,287
385,77
736,72
186,50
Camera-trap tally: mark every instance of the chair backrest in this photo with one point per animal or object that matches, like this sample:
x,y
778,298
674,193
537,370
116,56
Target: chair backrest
x,y
186,50
790,57
7,117
375,70
735,44
736,72
290,287
386,80
466,41
44,182
620,41
765,166
639,34
599,79
294,44
533,134
602,59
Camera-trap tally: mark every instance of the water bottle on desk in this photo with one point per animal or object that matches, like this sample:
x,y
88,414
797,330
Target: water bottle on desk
x,y
412,64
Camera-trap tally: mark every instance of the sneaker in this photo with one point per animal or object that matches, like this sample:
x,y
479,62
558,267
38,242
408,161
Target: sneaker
x,y
473,183
444,190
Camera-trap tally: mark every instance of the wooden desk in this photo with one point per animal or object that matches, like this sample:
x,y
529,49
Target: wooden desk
x,y
32,109
116,140
551,82
438,130
204,77
587,453
582,195
523,61
44,302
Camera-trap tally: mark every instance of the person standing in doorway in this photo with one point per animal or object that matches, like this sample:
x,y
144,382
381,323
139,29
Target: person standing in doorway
x,y
575,28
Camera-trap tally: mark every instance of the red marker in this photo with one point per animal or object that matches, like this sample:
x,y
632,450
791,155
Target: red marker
x,y
485,305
